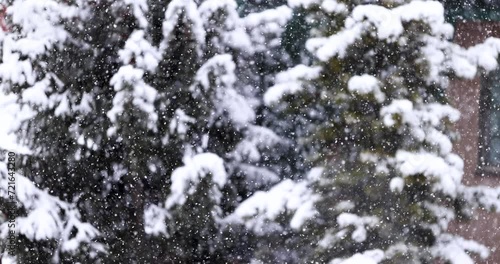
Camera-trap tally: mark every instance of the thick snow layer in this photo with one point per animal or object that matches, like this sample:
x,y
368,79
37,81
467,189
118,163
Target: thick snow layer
x,y
329,6
431,12
335,45
456,249
482,197
11,116
368,257
359,222
210,7
266,27
47,216
191,16
238,108
423,121
366,84
40,22
154,220
279,15
444,56
63,107
290,82
217,77
332,6
485,55
256,138
222,66
388,25
396,184
130,87
286,197
303,3
186,178
386,21
12,68
141,51
232,31
126,75
36,94
447,170
315,173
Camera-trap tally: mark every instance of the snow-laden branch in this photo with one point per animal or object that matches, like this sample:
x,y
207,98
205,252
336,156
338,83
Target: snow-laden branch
x,y
48,218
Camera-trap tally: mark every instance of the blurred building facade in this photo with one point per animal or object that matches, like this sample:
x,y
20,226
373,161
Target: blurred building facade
x,y
478,143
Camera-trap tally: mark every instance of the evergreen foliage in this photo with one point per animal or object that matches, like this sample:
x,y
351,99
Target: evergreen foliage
x,y
223,131
142,127
374,115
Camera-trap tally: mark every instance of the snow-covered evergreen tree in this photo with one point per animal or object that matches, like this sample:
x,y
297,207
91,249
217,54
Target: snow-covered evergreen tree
x,y
143,132
372,112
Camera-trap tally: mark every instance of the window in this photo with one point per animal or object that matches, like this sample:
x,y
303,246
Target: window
x,y
489,149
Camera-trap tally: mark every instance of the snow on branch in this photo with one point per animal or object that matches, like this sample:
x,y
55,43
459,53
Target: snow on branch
x,y
330,6
445,173
444,57
48,217
366,84
256,138
383,23
221,67
40,25
188,11
221,17
185,179
359,222
266,27
441,55
484,197
456,249
140,51
185,182
260,210
139,9
374,256
130,87
216,78
423,121
290,82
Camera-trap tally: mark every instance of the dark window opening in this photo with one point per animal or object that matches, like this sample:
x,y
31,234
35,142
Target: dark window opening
x,y
489,141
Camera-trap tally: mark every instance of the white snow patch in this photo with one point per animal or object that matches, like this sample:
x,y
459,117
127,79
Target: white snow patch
x,y
47,217
366,84
456,249
396,184
220,71
186,178
446,172
290,82
140,50
368,257
360,224
265,28
191,16
285,197
154,220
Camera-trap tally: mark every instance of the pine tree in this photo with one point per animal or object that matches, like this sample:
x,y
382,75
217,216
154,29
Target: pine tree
x,y
143,122
374,116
